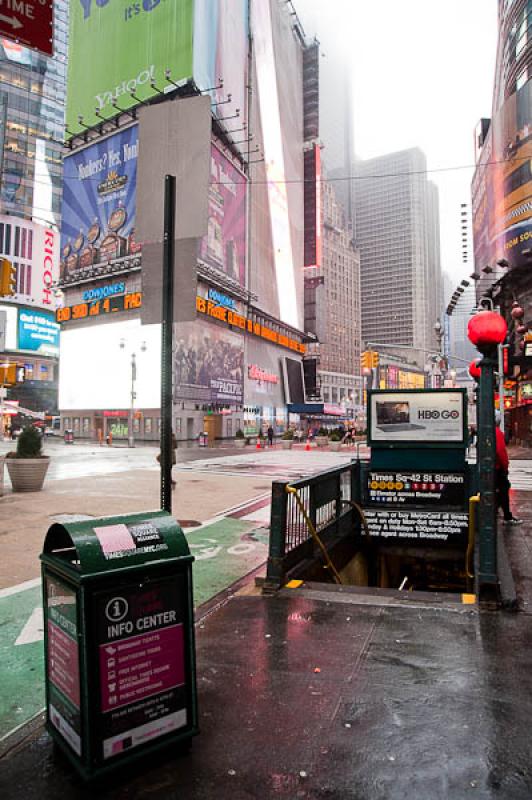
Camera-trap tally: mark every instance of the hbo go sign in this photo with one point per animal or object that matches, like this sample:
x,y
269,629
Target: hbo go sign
x,y
428,413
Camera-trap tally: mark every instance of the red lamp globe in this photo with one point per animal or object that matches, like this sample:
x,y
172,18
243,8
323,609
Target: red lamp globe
x,y
474,370
487,329
517,312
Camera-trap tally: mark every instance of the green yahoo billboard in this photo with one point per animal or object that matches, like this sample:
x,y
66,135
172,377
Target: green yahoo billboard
x,y
119,50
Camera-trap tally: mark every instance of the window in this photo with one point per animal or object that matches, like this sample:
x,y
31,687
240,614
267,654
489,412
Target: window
x,y
148,425
136,425
86,425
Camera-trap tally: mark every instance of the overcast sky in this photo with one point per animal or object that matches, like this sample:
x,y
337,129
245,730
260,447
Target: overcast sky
x,y
422,75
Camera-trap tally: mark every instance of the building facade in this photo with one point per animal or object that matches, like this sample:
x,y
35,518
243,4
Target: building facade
x,y
32,116
332,308
502,207
397,235
239,343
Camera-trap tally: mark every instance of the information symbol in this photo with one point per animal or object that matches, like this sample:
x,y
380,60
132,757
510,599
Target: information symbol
x,y
116,609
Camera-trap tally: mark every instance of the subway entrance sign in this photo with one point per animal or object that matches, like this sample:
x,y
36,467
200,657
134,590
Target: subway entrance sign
x,y
119,639
417,485
28,22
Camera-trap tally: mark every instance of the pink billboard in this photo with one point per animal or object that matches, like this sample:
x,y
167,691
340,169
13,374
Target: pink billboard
x,y
224,246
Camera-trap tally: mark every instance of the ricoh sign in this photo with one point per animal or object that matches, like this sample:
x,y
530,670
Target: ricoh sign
x,y
34,251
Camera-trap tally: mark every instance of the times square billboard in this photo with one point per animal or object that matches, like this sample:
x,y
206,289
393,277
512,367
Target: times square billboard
x,y
123,54
502,186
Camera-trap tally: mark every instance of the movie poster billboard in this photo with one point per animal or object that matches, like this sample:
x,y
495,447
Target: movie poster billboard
x,y
224,246
417,417
99,200
208,364
119,53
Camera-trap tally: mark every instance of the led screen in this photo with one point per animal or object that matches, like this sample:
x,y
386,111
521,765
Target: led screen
x,y
95,372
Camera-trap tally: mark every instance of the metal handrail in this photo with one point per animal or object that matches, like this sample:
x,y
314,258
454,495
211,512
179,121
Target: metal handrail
x,y
292,490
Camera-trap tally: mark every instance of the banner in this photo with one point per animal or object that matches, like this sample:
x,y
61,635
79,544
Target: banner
x,y
99,202
208,365
119,54
224,247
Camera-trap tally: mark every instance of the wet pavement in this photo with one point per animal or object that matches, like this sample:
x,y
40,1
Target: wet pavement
x,y
342,695
335,700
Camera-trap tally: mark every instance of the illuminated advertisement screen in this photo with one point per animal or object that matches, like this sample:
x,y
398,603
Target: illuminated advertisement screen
x,y
118,52
208,364
38,332
224,247
417,417
99,202
502,187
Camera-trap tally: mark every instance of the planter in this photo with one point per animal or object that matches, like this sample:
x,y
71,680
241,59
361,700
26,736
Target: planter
x,y
27,474
322,441
335,446
240,442
286,444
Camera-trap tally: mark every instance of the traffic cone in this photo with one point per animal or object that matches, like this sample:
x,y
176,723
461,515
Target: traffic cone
x,y
258,447
307,446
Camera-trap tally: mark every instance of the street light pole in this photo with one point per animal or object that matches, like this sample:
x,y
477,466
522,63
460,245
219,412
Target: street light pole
x,y
131,437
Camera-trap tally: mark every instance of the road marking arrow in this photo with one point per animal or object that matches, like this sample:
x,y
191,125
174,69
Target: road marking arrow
x,y
33,630
13,21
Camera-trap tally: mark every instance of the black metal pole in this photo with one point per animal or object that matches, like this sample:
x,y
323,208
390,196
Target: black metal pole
x,y
166,344
487,578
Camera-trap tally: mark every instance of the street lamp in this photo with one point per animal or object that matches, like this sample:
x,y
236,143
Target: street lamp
x,y
131,437
487,330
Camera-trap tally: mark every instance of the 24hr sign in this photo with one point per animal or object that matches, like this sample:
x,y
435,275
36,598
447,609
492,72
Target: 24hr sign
x,y
29,22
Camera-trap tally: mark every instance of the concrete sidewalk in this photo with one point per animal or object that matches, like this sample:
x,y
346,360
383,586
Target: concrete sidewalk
x,y
344,695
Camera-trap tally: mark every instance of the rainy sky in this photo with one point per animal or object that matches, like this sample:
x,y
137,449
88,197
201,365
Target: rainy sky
x,y
422,74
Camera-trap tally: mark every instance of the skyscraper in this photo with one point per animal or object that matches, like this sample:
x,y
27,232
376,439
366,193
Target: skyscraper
x,y
397,234
32,106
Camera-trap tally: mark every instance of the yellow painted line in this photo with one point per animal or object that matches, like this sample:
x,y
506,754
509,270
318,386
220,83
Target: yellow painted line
x,y
469,599
293,584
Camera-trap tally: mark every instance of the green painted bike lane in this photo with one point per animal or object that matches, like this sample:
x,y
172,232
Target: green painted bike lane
x,y
224,551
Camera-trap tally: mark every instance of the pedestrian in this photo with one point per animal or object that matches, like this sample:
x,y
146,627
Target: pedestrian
x,y
270,436
174,458
502,483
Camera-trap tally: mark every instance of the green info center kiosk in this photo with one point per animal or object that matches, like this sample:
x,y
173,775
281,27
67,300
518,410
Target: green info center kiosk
x,y
415,490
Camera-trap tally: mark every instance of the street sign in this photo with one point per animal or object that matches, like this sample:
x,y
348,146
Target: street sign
x,y
29,22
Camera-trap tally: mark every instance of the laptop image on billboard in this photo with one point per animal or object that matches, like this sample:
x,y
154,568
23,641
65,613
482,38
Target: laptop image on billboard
x,y
395,417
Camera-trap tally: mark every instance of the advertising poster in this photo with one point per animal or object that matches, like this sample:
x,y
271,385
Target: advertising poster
x,y
141,662
38,332
63,662
99,201
208,364
417,417
441,526
224,247
117,50
33,250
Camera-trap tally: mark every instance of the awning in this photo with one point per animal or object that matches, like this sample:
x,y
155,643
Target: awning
x,y
325,409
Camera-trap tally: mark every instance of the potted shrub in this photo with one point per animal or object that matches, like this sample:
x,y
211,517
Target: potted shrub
x,y
322,439
240,439
335,439
28,466
287,439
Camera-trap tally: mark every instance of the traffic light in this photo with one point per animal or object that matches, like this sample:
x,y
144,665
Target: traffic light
x,y
369,359
8,278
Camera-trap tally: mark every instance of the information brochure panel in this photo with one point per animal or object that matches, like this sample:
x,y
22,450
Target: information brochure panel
x,y
417,418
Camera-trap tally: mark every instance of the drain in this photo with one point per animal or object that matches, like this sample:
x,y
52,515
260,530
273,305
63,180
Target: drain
x,y
189,523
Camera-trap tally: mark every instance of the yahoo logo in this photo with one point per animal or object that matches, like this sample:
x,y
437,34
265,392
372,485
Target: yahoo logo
x,y
147,5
